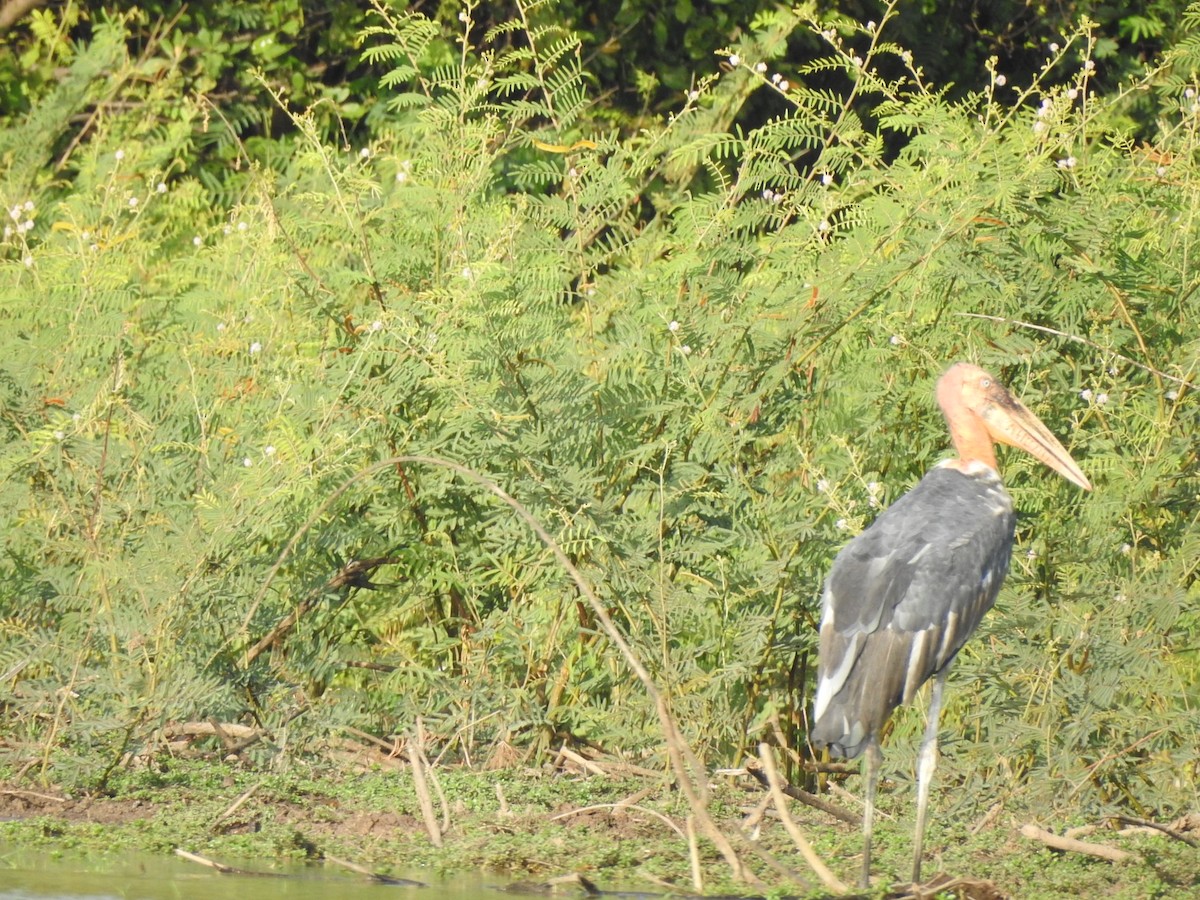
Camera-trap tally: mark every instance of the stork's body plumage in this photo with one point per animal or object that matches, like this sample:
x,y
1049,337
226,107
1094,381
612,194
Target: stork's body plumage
x,y
903,597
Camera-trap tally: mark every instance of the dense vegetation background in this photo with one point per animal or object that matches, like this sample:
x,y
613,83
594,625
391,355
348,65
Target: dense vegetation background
x,y
686,306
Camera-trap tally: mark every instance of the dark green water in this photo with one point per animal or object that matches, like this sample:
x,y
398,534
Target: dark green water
x,y
40,876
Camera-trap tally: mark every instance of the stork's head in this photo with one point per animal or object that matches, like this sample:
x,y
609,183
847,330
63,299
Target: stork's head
x,y
980,411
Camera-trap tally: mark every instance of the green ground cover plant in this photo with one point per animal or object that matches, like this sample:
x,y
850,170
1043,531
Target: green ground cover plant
x,y
700,355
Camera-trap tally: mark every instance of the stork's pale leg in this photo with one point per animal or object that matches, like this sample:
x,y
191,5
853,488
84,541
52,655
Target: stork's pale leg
x,y
871,761
925,767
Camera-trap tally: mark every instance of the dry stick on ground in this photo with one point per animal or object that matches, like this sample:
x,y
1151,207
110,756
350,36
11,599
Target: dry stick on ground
x,y
237,804
815,862
417,758
684,763
1147,825
1057,842
805,797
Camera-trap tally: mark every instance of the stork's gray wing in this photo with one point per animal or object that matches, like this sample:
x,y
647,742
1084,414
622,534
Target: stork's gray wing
x,y
903,597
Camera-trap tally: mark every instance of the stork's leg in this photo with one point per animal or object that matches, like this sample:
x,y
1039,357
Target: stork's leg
x,y
871,762
925,766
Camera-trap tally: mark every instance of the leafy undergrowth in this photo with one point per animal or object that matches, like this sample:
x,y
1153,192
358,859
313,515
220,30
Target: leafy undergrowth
x,y
236,414
536,824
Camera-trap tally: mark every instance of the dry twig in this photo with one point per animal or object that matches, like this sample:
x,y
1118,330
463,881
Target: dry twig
x,y
1058,842
805,797
417,757
815,862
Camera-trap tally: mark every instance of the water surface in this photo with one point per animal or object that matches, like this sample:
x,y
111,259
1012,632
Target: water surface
x,y
26,875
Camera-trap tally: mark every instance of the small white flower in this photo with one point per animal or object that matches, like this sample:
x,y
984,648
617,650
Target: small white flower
x,y
840,524
572,173
735,60
873,487
760,68
895,340
365,153
197,241
1089,65
1072,94
242,226
672,326
1125,548
15,213
870,26
1039,127
463,17
247,462
784,84
161,187
76,417
1001,80
28,206
119,155
1101,399
693,96
256,347
8,231
1086,394
466,272
58,436
829,34
228,229
826,179
269,450
1189,93
28,260
907,57
1031,553
133,201
1068,163
767,194
823,485
776,78
27,225
1053,47
685,350
220,326
377,325
823,225
1172,395
857,60
401,177
1160,171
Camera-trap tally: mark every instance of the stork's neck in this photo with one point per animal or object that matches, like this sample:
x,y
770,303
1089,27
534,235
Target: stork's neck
x,y
971,439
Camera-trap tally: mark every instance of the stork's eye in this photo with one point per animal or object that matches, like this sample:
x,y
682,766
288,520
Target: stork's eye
x,y
985,382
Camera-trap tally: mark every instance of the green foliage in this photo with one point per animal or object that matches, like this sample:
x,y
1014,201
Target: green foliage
x,y
702,356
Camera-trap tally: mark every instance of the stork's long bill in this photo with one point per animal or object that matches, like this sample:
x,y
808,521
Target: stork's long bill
x,y
980,411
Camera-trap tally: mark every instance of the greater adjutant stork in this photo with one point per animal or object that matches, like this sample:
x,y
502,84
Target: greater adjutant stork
x,y
903,597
